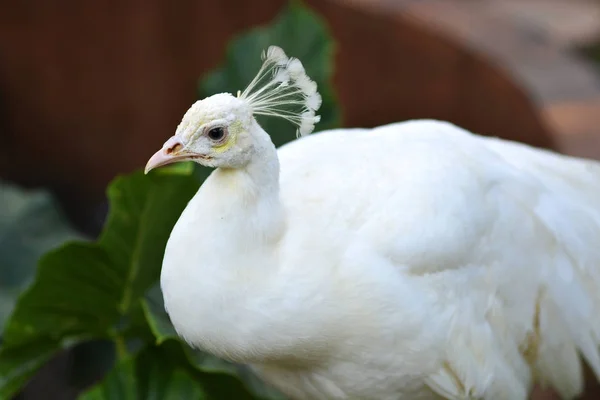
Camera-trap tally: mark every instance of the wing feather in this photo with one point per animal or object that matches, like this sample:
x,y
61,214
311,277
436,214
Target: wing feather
x,y
506,236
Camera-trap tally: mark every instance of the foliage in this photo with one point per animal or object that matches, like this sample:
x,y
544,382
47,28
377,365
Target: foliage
x,y
151,374
83,291
31,223
108,289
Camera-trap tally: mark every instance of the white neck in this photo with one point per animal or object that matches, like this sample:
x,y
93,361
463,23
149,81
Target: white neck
x,y
247,199
222,252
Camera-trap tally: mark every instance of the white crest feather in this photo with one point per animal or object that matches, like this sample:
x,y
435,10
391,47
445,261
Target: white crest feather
x,y
282,89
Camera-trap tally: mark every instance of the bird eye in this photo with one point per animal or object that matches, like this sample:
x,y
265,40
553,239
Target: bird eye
x,y
216,134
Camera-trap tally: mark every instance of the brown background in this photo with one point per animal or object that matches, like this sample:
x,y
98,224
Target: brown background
x,y
90,89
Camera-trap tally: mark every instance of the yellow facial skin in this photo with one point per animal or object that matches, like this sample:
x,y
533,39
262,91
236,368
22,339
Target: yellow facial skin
x,y
234,129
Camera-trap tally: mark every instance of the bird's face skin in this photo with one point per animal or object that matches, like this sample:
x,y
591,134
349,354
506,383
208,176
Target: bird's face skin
x,y
215,132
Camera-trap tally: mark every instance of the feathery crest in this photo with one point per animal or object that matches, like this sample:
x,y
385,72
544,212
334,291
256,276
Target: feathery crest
x,y
282,89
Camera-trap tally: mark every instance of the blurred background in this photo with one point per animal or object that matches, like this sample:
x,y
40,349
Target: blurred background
x,y
90,89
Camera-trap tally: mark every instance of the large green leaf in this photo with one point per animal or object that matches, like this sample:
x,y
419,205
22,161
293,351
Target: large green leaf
x,y
31,223
19,363
300,33
155,373
83,290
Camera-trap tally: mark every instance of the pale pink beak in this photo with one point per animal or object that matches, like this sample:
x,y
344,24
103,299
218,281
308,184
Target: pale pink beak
x,y
171,152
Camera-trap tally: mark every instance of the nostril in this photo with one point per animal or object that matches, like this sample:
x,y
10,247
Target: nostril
x,y
175,148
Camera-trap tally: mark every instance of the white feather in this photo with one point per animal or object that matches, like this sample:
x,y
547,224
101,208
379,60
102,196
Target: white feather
x,y
276,55
313,101
295,68
282,89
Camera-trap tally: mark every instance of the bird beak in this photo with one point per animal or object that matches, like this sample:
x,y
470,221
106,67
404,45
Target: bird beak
x,y
171,152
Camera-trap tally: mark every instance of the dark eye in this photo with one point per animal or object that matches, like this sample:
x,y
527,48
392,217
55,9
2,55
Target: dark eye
x,y
216,133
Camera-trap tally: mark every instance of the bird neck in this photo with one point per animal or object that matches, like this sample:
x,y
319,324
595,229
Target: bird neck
x,y
244,202
220,252
260,177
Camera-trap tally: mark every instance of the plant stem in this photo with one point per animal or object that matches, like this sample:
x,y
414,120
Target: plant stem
x,y
121,347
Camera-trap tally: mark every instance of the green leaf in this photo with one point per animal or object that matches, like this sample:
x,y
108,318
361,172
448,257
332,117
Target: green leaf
x,y
83,290
216,383
154,374
143,212
300,33
171,355
18,363
156,318
31,223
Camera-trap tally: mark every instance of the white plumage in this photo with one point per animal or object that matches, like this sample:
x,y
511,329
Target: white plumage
x,y
410,261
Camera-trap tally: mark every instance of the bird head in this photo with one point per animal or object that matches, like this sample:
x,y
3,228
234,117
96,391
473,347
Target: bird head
x,y
220,130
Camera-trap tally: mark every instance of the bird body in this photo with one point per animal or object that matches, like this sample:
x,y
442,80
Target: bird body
x,y
411,261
